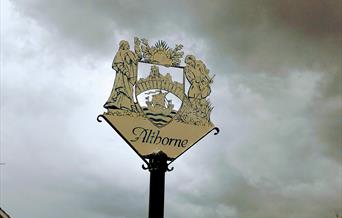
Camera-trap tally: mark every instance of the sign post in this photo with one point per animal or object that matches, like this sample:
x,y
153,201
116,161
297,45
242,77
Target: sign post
x,y
157,167
154,112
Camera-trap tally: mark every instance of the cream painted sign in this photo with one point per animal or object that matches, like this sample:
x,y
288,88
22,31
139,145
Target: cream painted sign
x,y
157,105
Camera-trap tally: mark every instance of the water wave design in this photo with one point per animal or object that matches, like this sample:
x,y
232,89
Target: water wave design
x,y
159,119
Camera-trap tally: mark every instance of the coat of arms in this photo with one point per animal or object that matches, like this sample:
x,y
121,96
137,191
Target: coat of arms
x,y
156,104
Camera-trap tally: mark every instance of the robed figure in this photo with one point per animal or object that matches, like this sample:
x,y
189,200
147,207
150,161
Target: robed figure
x,y
198,76
125,64
197,109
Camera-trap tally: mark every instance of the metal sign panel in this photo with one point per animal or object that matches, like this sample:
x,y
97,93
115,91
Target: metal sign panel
x,y
153,111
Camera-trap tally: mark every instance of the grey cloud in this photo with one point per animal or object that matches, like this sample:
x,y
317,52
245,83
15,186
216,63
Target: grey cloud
x,y
327,110
262,35
276,97
94,24
272,34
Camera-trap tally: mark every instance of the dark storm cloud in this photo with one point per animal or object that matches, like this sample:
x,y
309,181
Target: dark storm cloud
x,y
95,24
263,35
271,35
276,124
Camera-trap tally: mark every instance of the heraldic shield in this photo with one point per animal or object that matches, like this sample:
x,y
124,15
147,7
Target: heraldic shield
x,y
150,106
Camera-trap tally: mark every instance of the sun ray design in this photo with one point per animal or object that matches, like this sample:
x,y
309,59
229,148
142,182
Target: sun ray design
x,y
162,45
161,53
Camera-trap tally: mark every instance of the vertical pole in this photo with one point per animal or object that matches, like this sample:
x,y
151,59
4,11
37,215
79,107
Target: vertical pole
x,y
157,190
157,167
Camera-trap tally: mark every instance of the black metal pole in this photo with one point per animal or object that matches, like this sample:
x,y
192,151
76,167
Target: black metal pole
x,y
157,190
157,167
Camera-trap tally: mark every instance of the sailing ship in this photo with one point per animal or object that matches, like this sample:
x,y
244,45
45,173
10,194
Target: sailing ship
x,y
159,109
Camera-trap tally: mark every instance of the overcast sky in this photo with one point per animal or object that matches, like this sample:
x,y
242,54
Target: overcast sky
x,y
277,97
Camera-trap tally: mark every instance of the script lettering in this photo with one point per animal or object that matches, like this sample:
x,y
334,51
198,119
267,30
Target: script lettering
x,y
154,137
